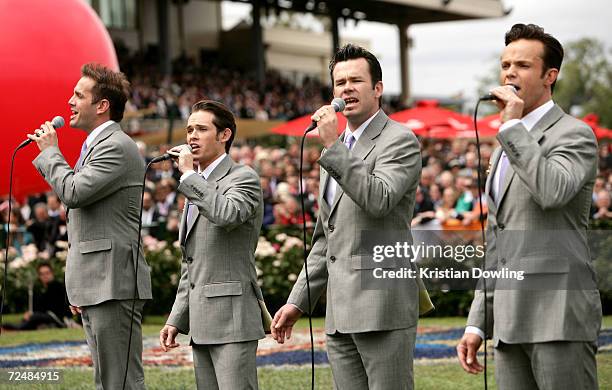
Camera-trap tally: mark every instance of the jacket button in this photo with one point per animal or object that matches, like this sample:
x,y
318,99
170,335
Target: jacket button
x,y
332,258
331,227
503,261
190,260
192,286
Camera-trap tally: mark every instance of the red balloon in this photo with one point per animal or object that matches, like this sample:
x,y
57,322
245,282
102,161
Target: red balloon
x,y
43,45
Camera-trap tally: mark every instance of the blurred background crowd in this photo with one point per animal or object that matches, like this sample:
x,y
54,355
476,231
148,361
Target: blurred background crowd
x,y
447,197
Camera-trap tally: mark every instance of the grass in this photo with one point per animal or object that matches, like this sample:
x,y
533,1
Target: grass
x,y
428,376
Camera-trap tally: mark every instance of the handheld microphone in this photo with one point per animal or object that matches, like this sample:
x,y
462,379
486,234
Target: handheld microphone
x,y
489,96
338,104
57,122
168,156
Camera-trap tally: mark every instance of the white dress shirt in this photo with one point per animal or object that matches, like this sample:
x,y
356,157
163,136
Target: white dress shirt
x,y
92,136
207,171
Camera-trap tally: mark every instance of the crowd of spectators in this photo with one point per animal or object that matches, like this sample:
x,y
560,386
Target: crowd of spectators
x,y
171,96
447,197
278,98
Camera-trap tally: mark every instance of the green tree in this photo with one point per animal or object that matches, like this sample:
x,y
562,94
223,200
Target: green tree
x,y
586,80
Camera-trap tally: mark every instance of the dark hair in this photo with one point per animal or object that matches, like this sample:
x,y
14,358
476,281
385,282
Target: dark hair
x,y
223,118
43,264
553,51
110,85
353,52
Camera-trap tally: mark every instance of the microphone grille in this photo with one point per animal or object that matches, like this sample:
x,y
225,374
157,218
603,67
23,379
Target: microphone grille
x,y
338,104
58,122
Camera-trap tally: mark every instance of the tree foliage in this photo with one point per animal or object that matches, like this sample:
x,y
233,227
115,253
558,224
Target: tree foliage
x,y
586,80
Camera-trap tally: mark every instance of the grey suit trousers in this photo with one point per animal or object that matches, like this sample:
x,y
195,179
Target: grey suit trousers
x,y
556,365
230,366
107,328
379,360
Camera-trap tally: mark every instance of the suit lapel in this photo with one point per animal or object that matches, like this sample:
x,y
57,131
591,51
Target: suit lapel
x,y
324,178
537,133
504,186
364,145
490,183
104,134
183,230
546,122
217,174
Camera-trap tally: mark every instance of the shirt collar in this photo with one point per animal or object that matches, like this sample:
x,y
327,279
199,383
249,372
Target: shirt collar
x,y
92,136
357,133
211,167
534,116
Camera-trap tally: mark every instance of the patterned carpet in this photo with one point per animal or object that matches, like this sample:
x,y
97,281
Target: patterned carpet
x,y
433,345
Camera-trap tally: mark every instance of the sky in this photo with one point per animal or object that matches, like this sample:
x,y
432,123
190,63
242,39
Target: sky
x,y
447,59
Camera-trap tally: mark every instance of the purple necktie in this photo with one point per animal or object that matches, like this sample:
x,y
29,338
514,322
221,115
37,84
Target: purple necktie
x,y
349,142
330,192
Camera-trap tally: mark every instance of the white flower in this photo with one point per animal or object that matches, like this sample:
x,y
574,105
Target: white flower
x,y
281,237
258,271
264,248
30,253
61,244
17,263
176,244
292,242
276,263
292,277
150,243
62,255
161,245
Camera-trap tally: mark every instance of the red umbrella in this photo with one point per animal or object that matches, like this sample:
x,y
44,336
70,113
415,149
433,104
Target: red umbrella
x,y
600,132
427,119
492,123
296,127
489,125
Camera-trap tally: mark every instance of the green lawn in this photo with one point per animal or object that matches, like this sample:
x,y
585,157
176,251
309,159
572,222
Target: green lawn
x,y
428,376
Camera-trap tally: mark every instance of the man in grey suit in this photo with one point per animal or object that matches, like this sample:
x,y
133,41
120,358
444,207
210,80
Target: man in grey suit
x,y
369,178
217,298
102,194
539,194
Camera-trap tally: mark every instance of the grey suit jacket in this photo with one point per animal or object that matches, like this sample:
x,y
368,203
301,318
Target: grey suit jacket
x,y
538,225
104,202
376,189
216,301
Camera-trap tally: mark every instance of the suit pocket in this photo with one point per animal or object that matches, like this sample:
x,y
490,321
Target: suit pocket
x,y
367,262
222,289
104,244
544,265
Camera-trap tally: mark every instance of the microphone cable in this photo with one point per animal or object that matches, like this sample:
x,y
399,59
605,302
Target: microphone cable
x,y
127,361
312,367
57,122
482,231
8,235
